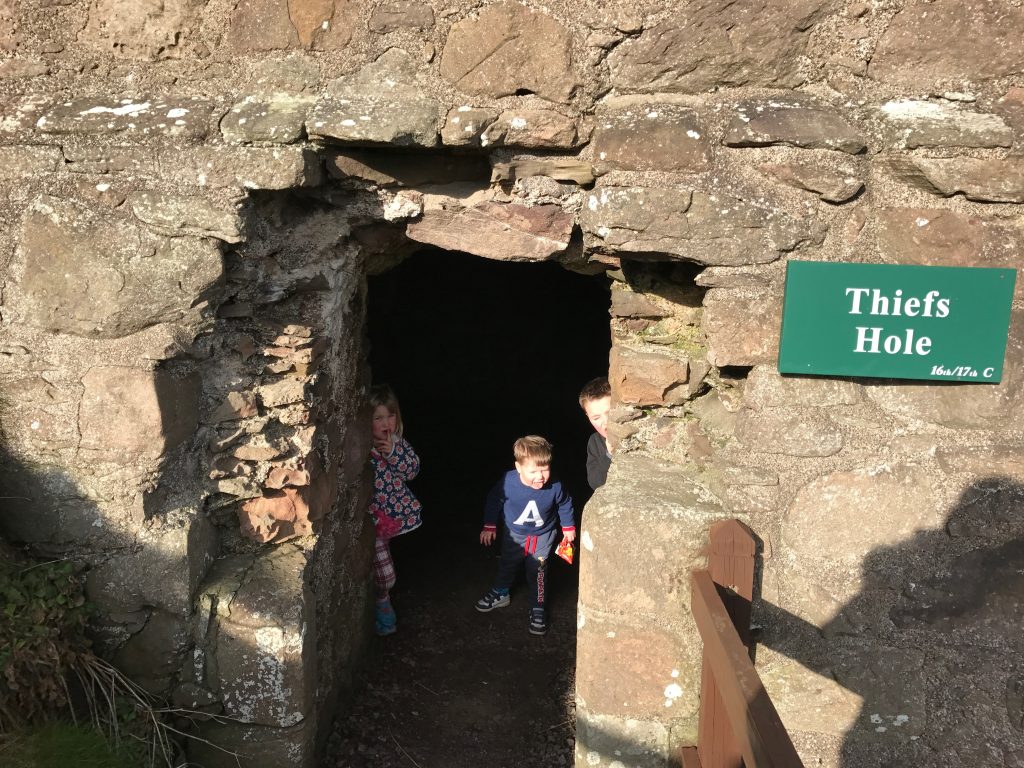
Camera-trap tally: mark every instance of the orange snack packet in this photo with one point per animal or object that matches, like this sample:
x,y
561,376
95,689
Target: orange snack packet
x,y
564,550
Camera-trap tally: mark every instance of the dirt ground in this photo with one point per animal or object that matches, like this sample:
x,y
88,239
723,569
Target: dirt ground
x,y
456,688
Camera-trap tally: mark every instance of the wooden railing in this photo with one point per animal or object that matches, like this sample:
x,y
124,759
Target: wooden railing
x,y
738,725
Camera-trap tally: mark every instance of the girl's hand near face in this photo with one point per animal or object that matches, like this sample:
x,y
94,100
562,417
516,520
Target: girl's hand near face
x,y
384,445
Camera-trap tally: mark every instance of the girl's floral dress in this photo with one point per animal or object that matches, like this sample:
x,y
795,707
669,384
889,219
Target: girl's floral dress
x,y
395,510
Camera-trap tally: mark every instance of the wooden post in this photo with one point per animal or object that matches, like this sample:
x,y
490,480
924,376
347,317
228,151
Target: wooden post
x,y
731,567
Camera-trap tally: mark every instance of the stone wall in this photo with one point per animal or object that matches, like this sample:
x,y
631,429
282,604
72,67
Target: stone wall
x,y
191,195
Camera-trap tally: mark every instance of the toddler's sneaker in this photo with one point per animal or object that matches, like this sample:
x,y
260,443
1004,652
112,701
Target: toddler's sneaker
x,y
538,622
492,600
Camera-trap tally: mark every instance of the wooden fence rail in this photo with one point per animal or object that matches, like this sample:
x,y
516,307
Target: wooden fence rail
x,y
739,727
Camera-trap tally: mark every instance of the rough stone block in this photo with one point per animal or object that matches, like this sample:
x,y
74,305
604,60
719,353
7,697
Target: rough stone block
x,y
488,54
833,185
503,231
789,432
256,746
382,103
742,327
389,168
700,47
268,25
766,388
130,413
136,279
912,124
609,741
651,136
533,129
465,125
17,163
648,378
706,228
984,180
844,516
941,43
778,121
642,672
279,119
139,30
164,569
669,520
246,167
152,656
265,669
142,117
186,214
394,16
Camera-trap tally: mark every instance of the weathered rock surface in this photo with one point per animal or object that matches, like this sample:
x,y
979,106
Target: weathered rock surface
x,y
162,567
140,30
267,25
844,516
766,388
833,185
648,378
763,123
943,42
651,137
382,103
695,226
180,214
914,124
264,671
141,117
533,129
492,54
26,162
244,167
789,432
503,231
394,16
161,408
135,279
705,45
465,125
559,169
279,119
742,327
937,236
992,181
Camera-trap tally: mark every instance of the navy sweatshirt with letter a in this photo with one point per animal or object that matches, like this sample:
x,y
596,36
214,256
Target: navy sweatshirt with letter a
x,y
528,512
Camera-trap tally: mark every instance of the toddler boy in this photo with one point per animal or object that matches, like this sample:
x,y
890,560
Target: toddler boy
x,y
596,401
532,505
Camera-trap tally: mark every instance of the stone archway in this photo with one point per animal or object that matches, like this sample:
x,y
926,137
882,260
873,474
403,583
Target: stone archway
x,y
153,389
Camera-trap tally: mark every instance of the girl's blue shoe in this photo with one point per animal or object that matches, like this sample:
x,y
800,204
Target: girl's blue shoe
x,y
386,621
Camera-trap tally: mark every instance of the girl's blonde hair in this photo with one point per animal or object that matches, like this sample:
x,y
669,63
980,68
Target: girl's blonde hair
x,y
382,394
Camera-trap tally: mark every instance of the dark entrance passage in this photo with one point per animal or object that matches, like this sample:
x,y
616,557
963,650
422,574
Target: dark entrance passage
x,y
479,353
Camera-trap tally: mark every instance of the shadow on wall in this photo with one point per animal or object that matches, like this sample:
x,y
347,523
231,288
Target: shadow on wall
x,y
931,646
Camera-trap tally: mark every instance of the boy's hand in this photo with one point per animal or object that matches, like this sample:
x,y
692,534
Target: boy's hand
x,y
569,535
487,537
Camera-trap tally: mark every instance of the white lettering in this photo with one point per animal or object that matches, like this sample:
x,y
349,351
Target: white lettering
x,y
530,515
857,294
988,373
942,308
862,338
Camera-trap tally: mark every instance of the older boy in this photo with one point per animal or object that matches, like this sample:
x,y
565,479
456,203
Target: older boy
x,y
596,401
532,505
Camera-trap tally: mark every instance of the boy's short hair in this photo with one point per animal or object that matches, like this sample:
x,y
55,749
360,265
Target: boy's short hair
x,y
595,389
532,448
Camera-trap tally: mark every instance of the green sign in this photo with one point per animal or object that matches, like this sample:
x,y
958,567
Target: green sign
x,y
896,321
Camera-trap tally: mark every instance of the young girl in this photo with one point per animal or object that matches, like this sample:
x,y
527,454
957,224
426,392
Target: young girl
x,y
395,510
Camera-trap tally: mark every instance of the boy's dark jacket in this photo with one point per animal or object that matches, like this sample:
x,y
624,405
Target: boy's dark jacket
x,y
528,512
